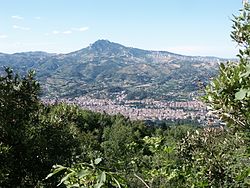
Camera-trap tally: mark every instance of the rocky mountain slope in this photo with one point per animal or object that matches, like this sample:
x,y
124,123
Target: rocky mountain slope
x,y
107,70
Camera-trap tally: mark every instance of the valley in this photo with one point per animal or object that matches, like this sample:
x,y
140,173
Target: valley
x,y
109,77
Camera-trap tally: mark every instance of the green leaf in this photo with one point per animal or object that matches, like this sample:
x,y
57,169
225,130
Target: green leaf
x,y
247,73
116,181
241,94
248,67
98,160
210,98
103,177
57,168
168,149
83,173
75,185
66,177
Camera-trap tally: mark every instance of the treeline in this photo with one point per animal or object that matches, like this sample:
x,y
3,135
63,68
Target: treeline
x,y
63,145
34,137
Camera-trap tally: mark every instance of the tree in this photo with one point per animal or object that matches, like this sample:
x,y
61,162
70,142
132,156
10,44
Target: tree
x,y
19,105
219,157
228,95
33,136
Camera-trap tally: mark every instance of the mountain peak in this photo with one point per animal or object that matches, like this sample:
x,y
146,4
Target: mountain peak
x,y
105,45
102,41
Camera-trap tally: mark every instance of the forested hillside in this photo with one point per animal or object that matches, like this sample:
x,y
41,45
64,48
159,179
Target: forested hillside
x,y
106,69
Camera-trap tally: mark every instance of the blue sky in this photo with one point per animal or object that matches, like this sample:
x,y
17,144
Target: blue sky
x,y
189,27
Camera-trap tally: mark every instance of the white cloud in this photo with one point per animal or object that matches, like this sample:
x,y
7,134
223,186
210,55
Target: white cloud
x,y
81,29
3,36
17,17
70,31
67,32
21,28
55,32
38,18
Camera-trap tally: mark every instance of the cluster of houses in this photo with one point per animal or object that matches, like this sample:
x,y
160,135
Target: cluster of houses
x,y
147,109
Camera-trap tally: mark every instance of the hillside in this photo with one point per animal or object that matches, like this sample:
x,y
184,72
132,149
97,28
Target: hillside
x,y
105,69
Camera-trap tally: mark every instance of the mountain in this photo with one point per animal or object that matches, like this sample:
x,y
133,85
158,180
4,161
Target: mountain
x,y
107,70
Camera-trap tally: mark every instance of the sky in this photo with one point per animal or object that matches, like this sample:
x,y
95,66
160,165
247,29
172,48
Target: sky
x,y
188,27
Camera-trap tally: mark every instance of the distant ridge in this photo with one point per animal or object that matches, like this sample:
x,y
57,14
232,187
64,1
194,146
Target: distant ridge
x,y
106,69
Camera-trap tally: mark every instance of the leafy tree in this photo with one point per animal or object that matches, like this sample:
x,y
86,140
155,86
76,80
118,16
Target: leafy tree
x,y
229,93
19,105
116,140
219,157
213,158
33,137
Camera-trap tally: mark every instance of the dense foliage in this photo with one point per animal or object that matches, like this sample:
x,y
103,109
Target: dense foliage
x,y
101,149
65,146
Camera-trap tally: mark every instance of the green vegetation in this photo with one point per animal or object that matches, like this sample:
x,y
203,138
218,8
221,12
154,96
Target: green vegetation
x,y
65,146
99,149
